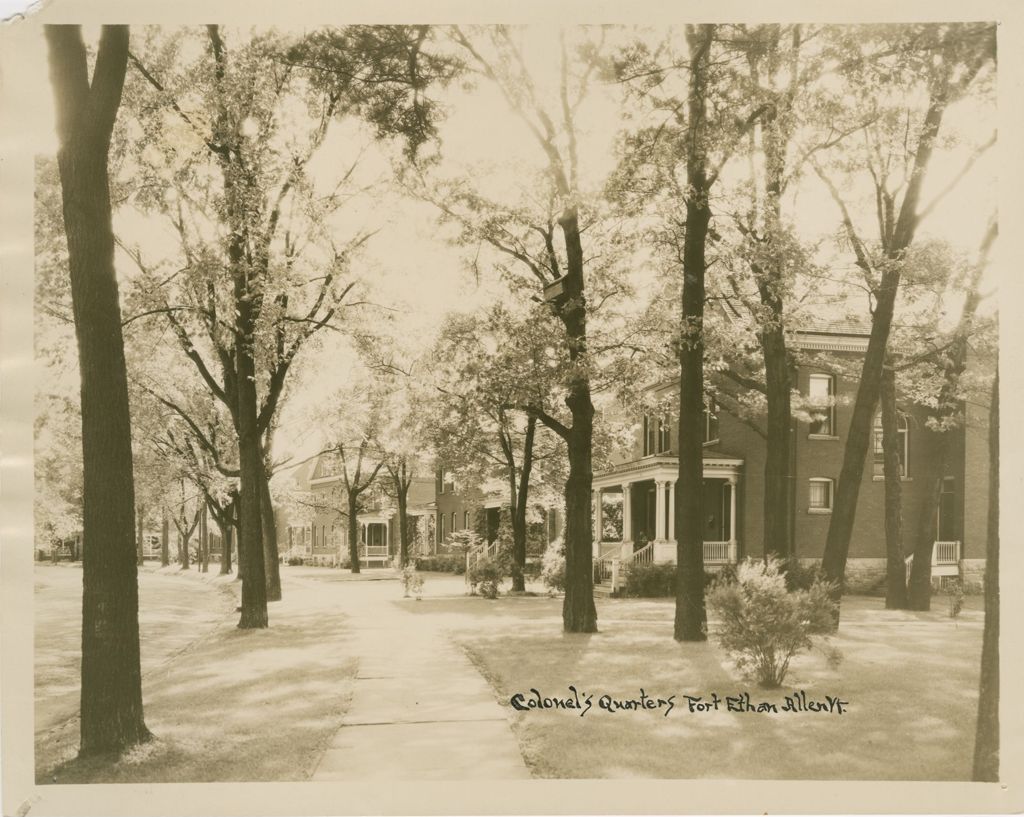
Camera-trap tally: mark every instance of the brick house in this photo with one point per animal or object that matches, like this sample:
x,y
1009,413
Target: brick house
x,y
634,498
325,539
460,508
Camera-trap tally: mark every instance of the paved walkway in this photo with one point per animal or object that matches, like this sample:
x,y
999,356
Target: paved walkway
x,y
419,710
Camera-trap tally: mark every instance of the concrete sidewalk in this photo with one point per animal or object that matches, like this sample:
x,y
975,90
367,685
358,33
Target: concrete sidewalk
x,y
420,710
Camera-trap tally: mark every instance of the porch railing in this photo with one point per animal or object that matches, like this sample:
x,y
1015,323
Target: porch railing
x,y
717,553
943,553
644,556
946,553
372,551
485,551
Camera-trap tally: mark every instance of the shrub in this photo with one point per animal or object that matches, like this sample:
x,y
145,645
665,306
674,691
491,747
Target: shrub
x,y
801,577
955,591
412,582
486,575
552,566
294,560
762,625
649,581
442,563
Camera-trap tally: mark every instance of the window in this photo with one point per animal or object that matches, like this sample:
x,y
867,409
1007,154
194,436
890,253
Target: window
x,y
650,432
946,524
710,420
441,533
453,521
465,520
657,435
822,392
902,445
441,475
820,495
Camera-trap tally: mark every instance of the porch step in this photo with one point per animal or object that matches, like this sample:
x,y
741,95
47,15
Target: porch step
x,y
603,590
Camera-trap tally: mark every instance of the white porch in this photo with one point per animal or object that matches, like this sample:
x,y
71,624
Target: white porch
x,y
646,488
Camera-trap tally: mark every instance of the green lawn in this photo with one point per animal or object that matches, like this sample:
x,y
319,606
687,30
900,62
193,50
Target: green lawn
x,y
224,704
910,679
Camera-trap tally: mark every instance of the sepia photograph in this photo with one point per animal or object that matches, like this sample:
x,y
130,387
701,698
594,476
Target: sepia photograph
x,y
507,402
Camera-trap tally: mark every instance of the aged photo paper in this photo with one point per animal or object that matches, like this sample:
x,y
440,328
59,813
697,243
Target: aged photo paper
x,y
459,408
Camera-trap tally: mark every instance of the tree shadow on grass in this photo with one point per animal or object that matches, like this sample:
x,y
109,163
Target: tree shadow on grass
x,y
250,705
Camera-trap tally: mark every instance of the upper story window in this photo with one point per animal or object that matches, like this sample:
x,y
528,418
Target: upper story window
x,y
445,483
710,420
902,446
821,391
657,435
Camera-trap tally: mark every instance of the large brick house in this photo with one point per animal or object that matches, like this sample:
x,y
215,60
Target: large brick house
x,y
634,498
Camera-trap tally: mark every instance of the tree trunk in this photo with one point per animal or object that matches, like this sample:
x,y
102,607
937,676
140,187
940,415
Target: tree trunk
x,y
579,614
111,690
895,569
236,538
254,587
778,446
186,536
353,530
140,522
204,541
225,544
691,616
858,438
165,540
986,739
271,560
402,495
519,509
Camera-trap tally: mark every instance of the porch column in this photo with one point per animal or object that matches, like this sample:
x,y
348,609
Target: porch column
x,y
598,521
672,510
627,512
732,480
659,510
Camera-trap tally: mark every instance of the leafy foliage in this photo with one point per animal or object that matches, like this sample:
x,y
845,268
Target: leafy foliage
x,y
762,625
486,575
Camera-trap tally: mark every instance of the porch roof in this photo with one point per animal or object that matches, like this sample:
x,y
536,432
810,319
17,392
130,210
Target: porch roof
x,y
665,467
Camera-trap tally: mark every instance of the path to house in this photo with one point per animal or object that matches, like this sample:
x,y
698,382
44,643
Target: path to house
x,y
419,708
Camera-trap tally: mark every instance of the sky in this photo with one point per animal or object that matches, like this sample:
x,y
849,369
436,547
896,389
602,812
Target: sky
x,y
418,271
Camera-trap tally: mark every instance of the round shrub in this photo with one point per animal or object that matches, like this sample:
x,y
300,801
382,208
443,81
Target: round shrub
x,y
762,625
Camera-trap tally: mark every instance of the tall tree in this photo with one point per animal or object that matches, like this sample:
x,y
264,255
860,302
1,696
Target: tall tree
x,y
542,236
895,569
945,60
986,739
691,615
947,417
111,695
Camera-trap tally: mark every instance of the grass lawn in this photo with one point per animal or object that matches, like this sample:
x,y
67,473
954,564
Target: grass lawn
x,y
223,704
911,680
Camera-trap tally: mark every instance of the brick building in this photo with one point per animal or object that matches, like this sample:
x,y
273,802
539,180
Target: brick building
x,y
634,502
322,538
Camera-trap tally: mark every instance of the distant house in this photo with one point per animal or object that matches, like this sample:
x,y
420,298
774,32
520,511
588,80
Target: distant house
x,y
634,499
460,508
324,540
